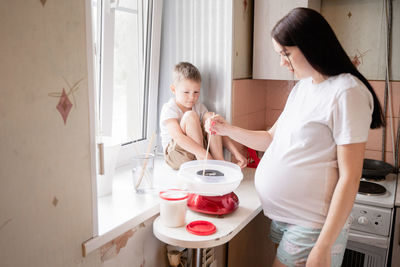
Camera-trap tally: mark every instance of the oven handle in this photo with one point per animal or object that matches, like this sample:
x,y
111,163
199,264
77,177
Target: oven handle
x,y
372,240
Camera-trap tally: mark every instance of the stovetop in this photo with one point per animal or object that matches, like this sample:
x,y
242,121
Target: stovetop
x,y
385,200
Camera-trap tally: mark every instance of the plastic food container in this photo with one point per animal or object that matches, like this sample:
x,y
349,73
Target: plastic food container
x,y
210,177
173,207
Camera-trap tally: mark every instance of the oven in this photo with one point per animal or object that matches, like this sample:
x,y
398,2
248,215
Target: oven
x,y
371,223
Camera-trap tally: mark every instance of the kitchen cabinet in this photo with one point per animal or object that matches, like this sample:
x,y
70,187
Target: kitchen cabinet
x,y
266,63
396,231
252,245
396,240
242,39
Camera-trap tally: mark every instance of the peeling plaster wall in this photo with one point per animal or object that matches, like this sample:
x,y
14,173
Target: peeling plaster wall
x,y
361,28
45,184
142,249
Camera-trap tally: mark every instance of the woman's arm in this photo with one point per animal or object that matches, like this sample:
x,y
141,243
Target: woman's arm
x,y
350,162
258,140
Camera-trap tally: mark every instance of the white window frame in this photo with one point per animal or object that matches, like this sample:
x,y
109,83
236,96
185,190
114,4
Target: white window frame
x,y
153,60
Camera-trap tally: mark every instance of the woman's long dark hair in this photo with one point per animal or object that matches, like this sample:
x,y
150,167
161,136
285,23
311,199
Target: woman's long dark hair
x,y
311,33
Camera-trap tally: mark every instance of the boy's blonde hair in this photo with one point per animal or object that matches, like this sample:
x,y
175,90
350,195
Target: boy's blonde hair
x,y
185,70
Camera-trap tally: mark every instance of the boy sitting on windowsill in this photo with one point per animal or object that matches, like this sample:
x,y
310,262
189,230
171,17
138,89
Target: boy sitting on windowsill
x,y
182,121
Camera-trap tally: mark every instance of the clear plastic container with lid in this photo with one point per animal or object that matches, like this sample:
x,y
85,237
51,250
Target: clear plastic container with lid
x,y
173,207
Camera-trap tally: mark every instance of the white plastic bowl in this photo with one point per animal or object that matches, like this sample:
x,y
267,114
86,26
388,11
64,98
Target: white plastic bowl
x,y
210,185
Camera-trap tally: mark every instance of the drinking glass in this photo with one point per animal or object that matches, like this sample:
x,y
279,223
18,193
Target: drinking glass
x,y
142,173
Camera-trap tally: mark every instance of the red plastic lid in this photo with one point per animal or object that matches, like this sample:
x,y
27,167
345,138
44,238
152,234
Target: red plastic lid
x,y
201,228
173,194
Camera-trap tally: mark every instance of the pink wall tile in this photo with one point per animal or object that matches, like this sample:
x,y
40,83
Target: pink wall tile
x,y
248,96
277,93
373,154
251,121
396,98
389,133
257,96
379,88
257,120
375,137
241,121
272,116
240,88
374,144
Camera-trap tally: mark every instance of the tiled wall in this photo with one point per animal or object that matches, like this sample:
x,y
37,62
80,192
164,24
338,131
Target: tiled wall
x,y
258,103
374,144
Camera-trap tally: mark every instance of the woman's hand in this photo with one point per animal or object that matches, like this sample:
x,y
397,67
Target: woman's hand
x,y
217,125
319,257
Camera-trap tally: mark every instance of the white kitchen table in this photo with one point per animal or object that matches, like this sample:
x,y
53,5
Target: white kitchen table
x,y
227,225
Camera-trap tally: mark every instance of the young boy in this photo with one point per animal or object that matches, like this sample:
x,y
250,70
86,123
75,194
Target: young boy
x,y
182,122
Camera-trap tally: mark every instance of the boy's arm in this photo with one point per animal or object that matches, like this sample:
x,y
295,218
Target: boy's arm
x,y
184,141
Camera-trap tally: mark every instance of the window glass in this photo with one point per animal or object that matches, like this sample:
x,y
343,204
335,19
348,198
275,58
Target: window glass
x,y
122,32
126,42
128,106
131,4
125,78
95,36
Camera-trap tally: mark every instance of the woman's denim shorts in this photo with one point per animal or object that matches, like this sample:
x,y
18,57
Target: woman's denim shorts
x,y
295,243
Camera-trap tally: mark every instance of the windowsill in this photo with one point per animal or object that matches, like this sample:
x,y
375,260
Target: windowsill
x,y
124,209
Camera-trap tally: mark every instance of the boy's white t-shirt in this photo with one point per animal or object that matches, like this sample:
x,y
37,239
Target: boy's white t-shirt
x,y
170,110
298,173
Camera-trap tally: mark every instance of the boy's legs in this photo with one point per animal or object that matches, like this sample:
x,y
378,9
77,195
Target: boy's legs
x,y
216,141
175,155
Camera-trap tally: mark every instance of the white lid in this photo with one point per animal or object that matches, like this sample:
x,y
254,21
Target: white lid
x,y
173,195
221,177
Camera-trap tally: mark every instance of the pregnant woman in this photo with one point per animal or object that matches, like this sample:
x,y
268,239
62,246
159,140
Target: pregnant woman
x,y
309,175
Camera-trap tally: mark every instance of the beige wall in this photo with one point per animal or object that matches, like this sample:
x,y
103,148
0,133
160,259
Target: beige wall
x,y
361,28
45,184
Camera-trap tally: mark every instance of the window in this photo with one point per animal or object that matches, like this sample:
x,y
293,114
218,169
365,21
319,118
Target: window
x,y
127,37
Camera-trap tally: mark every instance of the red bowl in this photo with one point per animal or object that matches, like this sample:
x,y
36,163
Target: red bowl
x,y
217,205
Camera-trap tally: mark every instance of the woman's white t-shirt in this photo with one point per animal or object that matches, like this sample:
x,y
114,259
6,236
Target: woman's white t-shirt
x,y
170,110
298,173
